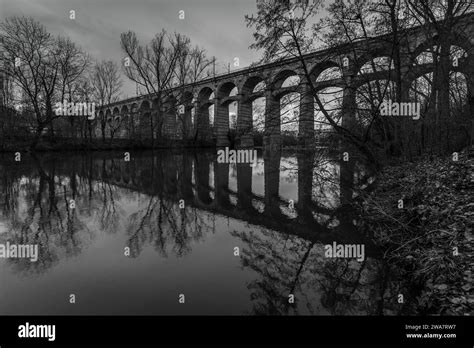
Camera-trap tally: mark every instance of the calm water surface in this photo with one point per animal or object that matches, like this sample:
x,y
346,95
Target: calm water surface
x,y
280,214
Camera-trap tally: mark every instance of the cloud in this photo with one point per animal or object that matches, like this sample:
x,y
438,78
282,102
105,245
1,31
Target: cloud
x,y
216,25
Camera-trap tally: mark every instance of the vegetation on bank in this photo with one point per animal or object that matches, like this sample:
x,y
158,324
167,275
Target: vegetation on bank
x,y
428,243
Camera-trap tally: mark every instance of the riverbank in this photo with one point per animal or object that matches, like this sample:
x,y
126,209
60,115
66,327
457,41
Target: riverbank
x,y
48,144
422,215
67,144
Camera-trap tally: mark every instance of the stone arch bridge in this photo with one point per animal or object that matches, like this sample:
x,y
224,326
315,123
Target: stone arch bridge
x,y
185,112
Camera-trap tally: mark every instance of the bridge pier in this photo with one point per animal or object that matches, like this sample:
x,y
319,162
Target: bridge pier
x,y
306,116
349,96
184,124
348,106
221,122
202,122
244,123
272,136
134,122
170,122
173,119
187,130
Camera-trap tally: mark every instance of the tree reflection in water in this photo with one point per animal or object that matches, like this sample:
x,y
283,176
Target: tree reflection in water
x,y
282,245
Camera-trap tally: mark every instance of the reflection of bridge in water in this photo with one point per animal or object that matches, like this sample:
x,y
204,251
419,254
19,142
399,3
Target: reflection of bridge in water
x,y
136,204
187,177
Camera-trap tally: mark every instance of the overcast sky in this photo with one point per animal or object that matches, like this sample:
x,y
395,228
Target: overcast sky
x,y
216,25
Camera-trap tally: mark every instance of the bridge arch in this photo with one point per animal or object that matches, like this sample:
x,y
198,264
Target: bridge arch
x,y
331,98
380,50
285,78
421,88
226,111
327,78
126,122
224,90
204,96
251,109
287,94
252,84
144,119
108,116
377,64
369,98
423,64
321,71
186,98
114,124
116,115
145,105
457,38
169,102
204,113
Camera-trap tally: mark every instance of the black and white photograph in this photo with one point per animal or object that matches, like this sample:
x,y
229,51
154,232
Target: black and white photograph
x,y
225,162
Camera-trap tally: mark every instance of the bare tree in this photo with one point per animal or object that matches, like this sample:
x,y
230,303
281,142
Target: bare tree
x,y
441,17
282,32
41,66
85,92
73,65
193,65
107,84
159,68
28,46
